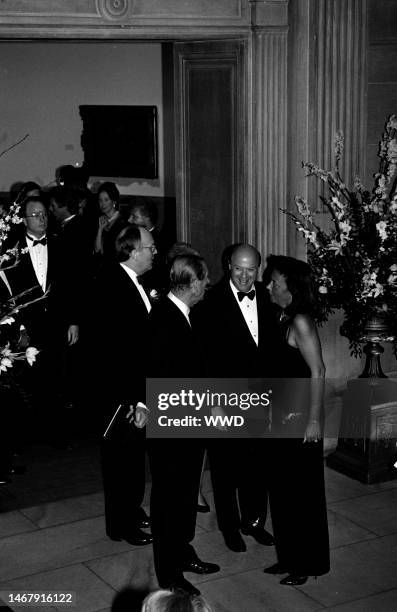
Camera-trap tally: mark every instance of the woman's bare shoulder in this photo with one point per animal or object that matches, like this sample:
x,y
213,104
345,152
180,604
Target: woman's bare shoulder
x,y
303,324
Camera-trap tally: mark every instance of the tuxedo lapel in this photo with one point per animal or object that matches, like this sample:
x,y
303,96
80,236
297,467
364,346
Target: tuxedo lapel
x,y
129,288
52,254
179,317
263,322
23,276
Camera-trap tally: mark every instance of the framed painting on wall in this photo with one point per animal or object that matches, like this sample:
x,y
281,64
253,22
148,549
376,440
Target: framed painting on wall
x,y
120,141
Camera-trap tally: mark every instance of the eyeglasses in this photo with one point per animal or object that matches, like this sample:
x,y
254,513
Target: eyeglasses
x,y
152,247
39,215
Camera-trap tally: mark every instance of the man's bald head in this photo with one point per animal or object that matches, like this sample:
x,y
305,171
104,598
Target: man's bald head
x,y
244,263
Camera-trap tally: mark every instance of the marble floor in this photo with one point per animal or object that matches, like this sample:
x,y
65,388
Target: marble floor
x,y
59,544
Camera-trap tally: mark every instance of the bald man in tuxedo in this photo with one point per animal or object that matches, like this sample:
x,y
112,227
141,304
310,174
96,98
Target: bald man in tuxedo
x,y
238,329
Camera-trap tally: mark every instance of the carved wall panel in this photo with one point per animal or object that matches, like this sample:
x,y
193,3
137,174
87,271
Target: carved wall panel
x,y
269,12
140,17
211,146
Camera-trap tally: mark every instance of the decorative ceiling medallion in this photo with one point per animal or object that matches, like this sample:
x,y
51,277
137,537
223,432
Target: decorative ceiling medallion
x,y
114,9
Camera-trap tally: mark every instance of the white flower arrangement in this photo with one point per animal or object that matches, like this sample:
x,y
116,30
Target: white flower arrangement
x,y
7,356
354,263
9,258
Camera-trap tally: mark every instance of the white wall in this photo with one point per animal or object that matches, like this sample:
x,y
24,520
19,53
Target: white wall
x,y
42,85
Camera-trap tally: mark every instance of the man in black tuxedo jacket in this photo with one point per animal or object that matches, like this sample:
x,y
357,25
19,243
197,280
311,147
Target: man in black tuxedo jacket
x,y
42,267
71,230
238,327
175,464
50,323
74,242
121,313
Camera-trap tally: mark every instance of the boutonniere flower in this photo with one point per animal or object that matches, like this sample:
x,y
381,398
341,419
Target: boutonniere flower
x,y
153,295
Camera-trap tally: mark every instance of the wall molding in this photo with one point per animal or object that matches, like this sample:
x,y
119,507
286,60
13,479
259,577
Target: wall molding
x,y
139,18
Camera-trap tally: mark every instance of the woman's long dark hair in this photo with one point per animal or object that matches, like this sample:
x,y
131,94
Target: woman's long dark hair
x,y
298,277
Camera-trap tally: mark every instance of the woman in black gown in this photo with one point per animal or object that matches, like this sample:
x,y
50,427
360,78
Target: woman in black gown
x,y
296,488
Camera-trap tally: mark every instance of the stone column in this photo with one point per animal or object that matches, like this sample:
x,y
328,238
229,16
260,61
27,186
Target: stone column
x,y
267,227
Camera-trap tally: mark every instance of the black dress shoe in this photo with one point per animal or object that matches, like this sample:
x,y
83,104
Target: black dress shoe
x,y
203,507
200,567
135,538
293,580
144,520
259,534
275,569
185,586
234,541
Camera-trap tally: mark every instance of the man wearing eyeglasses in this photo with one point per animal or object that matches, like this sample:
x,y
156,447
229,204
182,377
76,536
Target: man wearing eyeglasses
x,y
121,310
51,323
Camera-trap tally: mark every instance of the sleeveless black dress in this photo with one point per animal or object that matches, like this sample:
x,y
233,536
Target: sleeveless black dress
x,y
296,488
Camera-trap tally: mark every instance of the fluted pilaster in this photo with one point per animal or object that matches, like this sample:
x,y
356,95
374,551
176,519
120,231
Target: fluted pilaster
x,y
270,146
339,85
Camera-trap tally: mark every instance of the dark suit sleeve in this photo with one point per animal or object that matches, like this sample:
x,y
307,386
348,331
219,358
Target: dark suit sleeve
x,y
118,329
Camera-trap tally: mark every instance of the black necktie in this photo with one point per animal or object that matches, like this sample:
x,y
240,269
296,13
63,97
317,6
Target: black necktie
x,y
250,295
42,241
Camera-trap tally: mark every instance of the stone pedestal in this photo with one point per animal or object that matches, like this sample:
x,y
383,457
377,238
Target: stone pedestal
x,y
367,447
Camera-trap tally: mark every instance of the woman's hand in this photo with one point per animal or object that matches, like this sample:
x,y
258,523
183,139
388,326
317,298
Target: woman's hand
x,y
103,222
312,432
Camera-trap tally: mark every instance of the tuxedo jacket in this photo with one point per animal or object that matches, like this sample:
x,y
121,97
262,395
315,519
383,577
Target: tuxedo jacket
x,y
74,240
230,348
46,321
74,237
174,350
119,319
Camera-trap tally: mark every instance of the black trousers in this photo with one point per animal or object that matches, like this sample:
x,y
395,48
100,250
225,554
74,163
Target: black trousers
x,y
123,472
238,474
298,506
176,470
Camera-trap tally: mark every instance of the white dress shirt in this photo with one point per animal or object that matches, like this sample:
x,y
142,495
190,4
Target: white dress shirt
x,y
39,256
134,277
249,311
184,308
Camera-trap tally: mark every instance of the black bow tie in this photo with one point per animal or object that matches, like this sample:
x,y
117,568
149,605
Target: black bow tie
x,y
250,295
42,241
